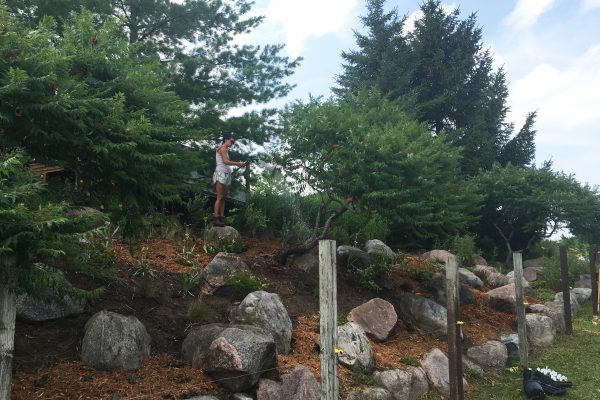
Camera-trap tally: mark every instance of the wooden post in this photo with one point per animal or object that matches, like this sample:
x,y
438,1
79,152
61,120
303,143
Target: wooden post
x,y
454,339
564,272
520,308
594,281
328,312
247,191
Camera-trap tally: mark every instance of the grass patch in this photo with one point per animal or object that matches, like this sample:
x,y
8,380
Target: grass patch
x,y
577,357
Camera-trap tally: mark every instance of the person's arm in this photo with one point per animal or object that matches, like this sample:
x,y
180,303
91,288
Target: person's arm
x,y
223,151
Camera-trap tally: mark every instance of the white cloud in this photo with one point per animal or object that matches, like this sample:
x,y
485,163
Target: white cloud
x,y
295,22
527,12
566,99
587,5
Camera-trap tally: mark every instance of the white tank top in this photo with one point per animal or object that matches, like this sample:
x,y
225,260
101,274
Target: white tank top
x,y
221,166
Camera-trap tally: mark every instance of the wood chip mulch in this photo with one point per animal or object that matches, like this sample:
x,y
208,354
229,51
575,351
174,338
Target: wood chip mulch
x,y
159,377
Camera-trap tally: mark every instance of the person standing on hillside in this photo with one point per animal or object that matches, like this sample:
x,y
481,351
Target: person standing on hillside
x,y
222,177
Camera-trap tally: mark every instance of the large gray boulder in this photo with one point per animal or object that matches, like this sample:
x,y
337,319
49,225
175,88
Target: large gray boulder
x,y
490,354
532,274
559,298
584,281
377,248
425,314
503,298
370,393
435,365
376,317
113,341
511,342
217,273
540,330
478,260
53,306
533,263
469,278
554,310
224,236
307,262
582,294
267,311
439,256
404,384
356,349
437,285
353,256
490,276
298,384
236,357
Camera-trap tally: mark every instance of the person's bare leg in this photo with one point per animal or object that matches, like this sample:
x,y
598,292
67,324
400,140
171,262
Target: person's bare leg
x,y
224,192
220,201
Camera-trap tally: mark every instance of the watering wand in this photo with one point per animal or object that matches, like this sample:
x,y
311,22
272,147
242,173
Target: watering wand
x,y
247,163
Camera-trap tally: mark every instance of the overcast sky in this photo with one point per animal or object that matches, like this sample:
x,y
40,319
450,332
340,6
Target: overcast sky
x,y
550,50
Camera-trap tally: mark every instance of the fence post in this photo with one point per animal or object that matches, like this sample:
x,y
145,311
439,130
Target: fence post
x,y
454,337
520,308
594,281
328,319
564,272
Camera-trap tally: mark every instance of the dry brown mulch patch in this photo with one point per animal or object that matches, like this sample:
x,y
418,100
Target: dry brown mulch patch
x,y
159,377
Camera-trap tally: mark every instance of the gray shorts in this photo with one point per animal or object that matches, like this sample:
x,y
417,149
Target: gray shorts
x,y
222,177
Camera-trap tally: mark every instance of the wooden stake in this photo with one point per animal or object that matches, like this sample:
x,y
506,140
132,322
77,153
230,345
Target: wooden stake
x,y
454,339
520,308
594,281
328,312
564,272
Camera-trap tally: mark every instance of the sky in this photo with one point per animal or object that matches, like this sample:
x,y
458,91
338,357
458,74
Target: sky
x,y
550,50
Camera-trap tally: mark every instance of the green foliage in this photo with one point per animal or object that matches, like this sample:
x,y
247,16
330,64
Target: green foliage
x,y
198,211
375,276
249,218
421,275
245,282
443,74
165,226
199,311
464,248
191,278
410,361
552,279
33,231
367,153
544,294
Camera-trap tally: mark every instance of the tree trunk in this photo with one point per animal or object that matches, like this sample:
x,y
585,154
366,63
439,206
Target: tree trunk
x,y
8,308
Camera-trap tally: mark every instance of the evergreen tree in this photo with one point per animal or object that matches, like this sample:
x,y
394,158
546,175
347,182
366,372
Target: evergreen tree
x,y
31,231
445,77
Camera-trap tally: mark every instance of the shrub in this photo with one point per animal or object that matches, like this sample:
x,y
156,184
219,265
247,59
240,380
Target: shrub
x,y
245,282
374,276
199,311
464,248
250,219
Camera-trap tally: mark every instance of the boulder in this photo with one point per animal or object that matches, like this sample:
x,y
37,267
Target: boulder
x,y
379,249
582,294
376,317
435,365
404,384
503,298
437,285
352,255
471,366
439,256
559,298
468,277
532,274
511,342
553,310
267,311
490,276
199,338
478,260
356,349
237,356
540,330
370,393
242,396
584,281
53,306
222,236
490,354
217,273
511,279
425,314
533,263
298,384
113,341
307,262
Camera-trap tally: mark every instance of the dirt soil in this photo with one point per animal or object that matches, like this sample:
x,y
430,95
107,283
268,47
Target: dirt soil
x,y
46,358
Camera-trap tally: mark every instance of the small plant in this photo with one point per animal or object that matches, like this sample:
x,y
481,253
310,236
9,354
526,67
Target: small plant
x,y
410,361
464,248
145,275
341,320
421,275
245,282
364,378
371,276
250,219
544,294
199,311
